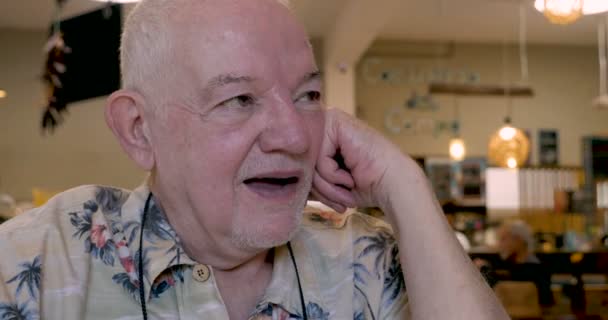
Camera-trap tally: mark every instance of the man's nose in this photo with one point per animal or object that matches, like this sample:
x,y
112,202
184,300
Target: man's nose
x,y
285,129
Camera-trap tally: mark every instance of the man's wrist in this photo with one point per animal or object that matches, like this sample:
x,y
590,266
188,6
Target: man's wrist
x,y
405,186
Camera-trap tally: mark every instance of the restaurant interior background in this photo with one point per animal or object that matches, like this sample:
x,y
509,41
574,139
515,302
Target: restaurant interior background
x,y
502,102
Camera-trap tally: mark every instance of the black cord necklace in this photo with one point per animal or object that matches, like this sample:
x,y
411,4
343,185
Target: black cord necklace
x,y
142,295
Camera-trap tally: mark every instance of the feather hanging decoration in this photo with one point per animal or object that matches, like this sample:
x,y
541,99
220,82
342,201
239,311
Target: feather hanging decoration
x,y
54,73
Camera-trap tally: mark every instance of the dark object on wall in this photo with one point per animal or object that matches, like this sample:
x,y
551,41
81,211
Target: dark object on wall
x,y
595,163
548,147
91,64
471,181
480,90
440,173
595,158
528,134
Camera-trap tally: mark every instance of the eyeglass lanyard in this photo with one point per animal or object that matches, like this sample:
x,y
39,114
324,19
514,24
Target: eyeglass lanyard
x,y
142,295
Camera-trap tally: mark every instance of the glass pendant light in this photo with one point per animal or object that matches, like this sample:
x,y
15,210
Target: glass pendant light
x,y
509,146
568,11
563,11
457,149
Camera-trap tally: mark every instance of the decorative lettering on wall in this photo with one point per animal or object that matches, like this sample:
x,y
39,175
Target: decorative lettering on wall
x,y
378,71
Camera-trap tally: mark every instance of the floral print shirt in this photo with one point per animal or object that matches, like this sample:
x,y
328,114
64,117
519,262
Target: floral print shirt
x,y
76,257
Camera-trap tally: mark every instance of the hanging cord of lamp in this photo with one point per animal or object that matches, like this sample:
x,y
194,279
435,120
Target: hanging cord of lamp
x,y
523,47
601,101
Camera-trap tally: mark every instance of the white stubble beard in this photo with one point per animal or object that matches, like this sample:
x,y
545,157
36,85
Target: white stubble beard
x,y
248,235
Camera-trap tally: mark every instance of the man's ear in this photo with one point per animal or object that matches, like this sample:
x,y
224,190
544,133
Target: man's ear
x,y
125,116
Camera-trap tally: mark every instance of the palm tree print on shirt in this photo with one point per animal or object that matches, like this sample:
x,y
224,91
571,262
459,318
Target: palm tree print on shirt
x,y
383,249
156,229
313,311
29,278
360,273
15,312
394,283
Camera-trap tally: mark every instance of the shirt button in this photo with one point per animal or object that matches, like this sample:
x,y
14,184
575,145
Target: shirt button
x,y
201,273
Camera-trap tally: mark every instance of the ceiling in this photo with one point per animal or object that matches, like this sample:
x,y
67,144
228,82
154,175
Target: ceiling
x,y
442,20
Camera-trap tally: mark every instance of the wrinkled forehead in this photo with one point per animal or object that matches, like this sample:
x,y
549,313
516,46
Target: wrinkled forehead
x,y
258,38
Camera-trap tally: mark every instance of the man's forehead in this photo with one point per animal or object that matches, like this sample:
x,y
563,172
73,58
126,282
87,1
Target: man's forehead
x,y
220,42
251,23
212,13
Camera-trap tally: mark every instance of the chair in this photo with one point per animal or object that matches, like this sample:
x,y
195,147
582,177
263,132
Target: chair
x,y
520,299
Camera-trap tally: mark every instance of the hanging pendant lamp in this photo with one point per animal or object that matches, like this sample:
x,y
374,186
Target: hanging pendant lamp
x,y
509,147
568,11
563,11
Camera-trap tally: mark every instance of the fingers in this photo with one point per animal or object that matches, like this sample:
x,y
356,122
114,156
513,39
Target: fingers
x,y
336,206
330,171
332,192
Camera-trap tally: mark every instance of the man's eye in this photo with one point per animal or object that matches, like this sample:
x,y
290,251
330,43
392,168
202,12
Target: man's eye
x,y
310,96
240,101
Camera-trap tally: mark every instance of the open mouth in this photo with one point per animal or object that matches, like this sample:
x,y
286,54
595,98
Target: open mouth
x,y
279,187
271,182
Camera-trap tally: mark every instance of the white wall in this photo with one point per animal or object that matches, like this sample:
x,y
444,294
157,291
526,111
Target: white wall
x,y
82,151
564,80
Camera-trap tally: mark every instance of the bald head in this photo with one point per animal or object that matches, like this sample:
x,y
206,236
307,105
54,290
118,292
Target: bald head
x,y
148,47
217,92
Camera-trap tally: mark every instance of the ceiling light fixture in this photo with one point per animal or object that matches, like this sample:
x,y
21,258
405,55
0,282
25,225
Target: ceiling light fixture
x,y
568,11
2,94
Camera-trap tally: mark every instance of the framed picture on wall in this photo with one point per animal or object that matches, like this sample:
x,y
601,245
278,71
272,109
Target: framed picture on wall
x,y
441,174
548,147
470,179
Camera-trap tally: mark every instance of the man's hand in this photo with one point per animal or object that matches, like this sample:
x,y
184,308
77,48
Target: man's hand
x,y
356,165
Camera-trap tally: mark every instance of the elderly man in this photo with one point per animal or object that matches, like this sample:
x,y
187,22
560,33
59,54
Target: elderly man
x,y
222,105
518,262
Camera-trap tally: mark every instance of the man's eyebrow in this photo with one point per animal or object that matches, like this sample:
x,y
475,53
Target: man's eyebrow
x,y
312,76
225,79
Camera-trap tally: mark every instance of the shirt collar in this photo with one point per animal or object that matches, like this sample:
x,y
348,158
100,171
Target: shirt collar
x,y
162,248
283,288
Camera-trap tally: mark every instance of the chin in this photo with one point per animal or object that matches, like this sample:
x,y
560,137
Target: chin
x,y
266,233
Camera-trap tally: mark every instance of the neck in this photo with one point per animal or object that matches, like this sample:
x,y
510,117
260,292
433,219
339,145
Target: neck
x,y
243,287
206,248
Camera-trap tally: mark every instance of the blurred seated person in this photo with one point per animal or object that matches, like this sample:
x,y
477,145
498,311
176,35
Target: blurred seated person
x,y
450,209
517,261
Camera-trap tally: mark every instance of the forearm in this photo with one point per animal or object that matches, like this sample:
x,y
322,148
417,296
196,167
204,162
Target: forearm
x,y
442,282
